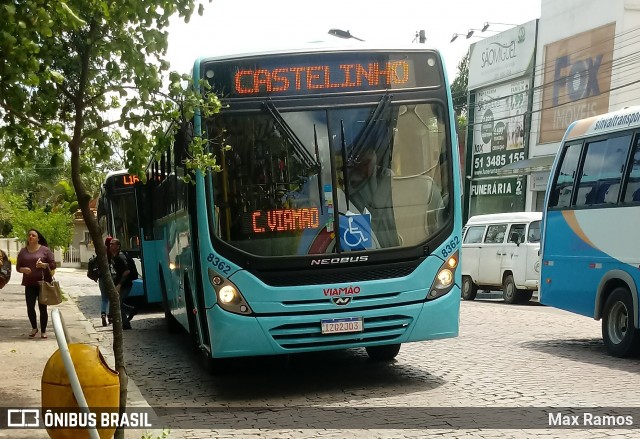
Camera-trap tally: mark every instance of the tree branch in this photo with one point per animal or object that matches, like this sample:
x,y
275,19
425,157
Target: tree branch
x,y
19,115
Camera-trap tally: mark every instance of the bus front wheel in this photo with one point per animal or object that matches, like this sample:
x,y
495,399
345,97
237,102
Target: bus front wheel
x,y
383,353
621,337
469,289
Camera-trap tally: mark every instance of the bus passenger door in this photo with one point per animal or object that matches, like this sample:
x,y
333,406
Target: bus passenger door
x,y
491,255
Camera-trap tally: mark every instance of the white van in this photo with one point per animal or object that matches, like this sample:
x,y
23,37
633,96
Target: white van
x,y
501,251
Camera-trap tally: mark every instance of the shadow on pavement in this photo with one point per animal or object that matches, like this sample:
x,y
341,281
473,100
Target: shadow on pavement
x,y
151,352
585,350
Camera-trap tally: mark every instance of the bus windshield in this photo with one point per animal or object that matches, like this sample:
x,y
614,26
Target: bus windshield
x,y
381,172
125,220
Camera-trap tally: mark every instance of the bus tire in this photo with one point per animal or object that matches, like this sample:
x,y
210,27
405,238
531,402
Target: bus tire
x,y
509,290
173,327
620,336
383,353
469,289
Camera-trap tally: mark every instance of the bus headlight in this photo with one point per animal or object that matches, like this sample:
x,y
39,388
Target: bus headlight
x,y
227,295
445,278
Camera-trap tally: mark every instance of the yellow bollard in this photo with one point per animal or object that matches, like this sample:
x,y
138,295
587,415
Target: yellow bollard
x,y
99,382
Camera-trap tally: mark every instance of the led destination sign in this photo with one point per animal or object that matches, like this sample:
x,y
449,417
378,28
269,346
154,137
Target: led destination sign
x,y
281,220
123,181
322,77
312,73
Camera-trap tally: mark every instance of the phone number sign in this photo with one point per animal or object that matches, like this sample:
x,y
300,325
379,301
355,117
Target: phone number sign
x,y
498,135
485,165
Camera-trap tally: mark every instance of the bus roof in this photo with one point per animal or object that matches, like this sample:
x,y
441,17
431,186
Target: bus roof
x,y
504,217
315,47
627,118
111,174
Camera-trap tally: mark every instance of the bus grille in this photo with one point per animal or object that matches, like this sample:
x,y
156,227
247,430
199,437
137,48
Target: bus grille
x,y
309,335
336,275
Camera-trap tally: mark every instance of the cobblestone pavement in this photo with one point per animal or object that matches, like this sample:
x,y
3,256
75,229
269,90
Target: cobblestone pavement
x,y
508,360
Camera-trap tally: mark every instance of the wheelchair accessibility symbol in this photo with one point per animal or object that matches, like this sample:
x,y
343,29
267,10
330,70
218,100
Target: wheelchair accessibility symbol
x,y
355,231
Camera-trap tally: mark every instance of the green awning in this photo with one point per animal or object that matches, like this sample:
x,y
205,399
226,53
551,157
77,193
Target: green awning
x,y
523,167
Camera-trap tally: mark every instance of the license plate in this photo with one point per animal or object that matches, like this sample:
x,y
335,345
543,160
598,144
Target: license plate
x,y
337,326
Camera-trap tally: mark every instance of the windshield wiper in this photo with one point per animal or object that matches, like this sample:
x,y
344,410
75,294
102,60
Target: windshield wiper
x,y
315,142
310,161
368,131
345,171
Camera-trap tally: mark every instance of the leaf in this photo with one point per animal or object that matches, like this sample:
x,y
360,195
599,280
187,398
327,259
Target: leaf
x,y
57,77
75,19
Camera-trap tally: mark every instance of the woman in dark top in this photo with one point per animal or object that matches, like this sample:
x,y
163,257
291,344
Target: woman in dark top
x,y
35,262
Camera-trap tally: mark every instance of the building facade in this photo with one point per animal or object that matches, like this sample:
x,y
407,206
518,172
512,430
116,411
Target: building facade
x,y
583,63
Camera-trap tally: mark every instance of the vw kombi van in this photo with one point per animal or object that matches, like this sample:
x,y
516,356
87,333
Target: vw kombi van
x,y
501,252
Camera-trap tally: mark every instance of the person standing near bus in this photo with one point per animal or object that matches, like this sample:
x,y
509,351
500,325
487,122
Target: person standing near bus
x,y
36,263
120,273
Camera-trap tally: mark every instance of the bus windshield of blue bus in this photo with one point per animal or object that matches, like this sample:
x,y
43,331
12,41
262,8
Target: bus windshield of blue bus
x,y
124,217
321,181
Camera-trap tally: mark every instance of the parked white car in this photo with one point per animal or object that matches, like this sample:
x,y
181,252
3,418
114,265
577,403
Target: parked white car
x,y
501,252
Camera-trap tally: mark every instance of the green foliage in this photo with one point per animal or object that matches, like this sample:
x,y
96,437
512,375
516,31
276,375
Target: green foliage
x,y
56,227
461,122
91,76
459,86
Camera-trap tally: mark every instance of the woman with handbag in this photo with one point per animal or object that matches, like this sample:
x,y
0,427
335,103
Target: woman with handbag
x,y
36,263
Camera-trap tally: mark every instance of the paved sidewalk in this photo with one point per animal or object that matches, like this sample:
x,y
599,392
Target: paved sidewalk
x,y
22,359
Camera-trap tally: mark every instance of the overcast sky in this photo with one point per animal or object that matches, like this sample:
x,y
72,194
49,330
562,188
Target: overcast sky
x,y
247,25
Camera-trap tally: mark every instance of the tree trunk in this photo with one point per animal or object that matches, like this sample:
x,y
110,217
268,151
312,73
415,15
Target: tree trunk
x,y
101,252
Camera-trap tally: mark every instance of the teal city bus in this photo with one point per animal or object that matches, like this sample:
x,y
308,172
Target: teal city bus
x,y
590,234
335,220
117,210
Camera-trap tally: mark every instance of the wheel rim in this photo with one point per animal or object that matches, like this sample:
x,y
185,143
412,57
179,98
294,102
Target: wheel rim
x,y
466,288
618,321
509,290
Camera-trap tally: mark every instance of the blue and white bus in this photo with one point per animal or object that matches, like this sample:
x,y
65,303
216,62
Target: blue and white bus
x,y
117,210
591,227
335,221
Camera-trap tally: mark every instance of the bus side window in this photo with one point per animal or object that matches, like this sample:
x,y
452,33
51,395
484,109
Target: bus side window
x,y
602,170
562,189
632,194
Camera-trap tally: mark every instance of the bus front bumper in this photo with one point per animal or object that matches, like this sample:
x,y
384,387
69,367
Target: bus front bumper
x,y
234,335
